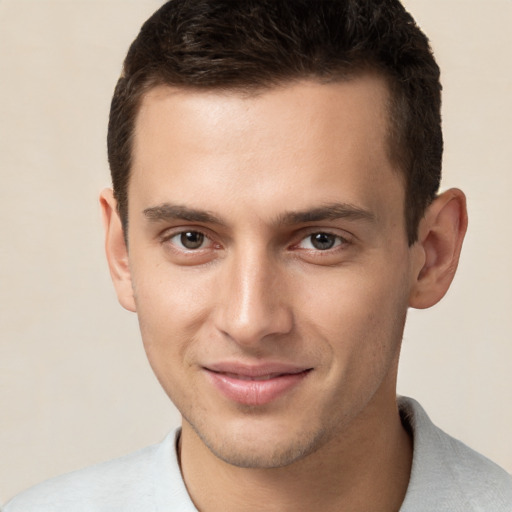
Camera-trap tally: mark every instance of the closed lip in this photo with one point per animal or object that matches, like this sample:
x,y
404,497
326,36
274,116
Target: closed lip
x,y
256,371
255,384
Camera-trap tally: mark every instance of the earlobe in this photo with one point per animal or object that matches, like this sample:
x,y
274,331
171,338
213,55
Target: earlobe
x,y
116,250
440,236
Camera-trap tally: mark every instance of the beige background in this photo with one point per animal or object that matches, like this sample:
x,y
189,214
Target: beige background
x,y
75,387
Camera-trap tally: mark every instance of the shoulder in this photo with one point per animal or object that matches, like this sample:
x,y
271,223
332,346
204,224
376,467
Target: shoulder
x,y
142,481
446,471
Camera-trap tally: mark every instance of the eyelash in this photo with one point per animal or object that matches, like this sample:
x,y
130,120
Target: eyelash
x,y
169,237
339,241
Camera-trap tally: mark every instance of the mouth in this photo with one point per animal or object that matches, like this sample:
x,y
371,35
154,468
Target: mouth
x,y
255,385
248,377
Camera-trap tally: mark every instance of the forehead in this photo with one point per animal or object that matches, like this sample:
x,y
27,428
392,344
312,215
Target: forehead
x,y
361,99
294,144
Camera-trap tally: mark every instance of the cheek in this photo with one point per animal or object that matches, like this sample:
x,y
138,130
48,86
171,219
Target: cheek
x,y
171,307
359,312
168,295
351,294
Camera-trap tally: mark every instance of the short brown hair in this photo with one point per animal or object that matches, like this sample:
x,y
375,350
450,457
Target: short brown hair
x,y
252,44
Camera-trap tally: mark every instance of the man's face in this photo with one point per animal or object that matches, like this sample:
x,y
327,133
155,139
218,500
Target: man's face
x,y
269,262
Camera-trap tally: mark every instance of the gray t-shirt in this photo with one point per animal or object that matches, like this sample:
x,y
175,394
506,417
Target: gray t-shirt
x,y
446,476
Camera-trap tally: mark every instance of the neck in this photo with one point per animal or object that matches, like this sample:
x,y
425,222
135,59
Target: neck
x,y
366,469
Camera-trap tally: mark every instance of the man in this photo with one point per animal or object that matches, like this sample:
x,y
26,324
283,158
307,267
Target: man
x,y
275,212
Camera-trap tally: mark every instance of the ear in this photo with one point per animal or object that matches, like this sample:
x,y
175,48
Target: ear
x,y
440,236
116,250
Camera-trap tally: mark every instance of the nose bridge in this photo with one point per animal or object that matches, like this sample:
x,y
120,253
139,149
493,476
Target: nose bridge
x,y
252,304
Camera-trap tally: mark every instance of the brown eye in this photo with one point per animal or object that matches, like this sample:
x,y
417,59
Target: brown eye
x,y
191,239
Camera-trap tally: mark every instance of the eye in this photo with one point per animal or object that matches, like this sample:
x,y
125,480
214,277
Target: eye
x,y
188,246
321,241
189,240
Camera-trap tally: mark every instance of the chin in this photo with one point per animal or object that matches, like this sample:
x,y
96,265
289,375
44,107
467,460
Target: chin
x,y
261,448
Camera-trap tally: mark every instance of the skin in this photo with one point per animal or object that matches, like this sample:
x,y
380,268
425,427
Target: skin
x,y
254,179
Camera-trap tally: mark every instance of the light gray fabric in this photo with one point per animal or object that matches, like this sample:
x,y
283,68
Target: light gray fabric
x,y
146,481
447,476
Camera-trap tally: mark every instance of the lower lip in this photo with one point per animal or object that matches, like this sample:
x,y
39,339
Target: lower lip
x,y
255,392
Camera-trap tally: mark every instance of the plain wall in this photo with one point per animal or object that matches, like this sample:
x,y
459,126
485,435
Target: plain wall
x,y
75,387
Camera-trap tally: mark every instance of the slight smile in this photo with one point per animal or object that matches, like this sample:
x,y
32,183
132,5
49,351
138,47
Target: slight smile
x,y
255,385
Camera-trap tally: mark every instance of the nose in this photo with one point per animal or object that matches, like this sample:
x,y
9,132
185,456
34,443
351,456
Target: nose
x,y
252,305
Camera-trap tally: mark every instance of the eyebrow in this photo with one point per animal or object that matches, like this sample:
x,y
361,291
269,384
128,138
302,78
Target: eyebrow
x,y
332,211
167,212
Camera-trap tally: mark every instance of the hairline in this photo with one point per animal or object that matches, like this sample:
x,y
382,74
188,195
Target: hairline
x,y
352,71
